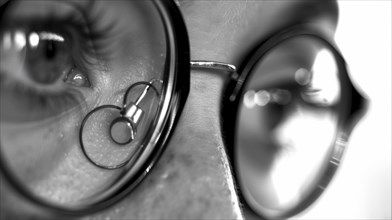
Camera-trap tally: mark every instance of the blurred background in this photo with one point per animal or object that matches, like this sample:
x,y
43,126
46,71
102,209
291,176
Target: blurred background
x,y
361,188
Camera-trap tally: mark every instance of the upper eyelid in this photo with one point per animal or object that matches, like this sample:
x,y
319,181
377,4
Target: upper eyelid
x,y
79,17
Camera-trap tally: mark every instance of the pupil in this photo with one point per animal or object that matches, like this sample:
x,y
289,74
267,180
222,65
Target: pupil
x,y
47,62
50,50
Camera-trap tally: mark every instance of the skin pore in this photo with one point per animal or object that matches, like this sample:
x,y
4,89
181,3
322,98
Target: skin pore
x,y
193,177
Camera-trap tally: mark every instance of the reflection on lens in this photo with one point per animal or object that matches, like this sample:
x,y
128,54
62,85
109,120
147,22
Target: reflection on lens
x,y
97,142
323,88
55,68
287,123
111,136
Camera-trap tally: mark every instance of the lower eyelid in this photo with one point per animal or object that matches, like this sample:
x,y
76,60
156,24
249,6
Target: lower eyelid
x,y
36,107
21,103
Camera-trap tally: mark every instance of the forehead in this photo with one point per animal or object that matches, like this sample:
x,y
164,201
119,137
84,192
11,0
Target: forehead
x,y
227,30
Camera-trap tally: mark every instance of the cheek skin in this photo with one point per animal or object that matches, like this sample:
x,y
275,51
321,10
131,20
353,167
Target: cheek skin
x,y
191,179
48,156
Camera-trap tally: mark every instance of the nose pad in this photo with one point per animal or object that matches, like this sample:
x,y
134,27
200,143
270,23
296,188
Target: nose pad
x,y
109,134
122,131
124,128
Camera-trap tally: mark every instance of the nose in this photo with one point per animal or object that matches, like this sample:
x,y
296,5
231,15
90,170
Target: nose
x,y
192,179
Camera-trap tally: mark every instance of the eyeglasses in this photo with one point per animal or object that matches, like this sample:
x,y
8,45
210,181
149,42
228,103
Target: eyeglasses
x,y
290,99
292,119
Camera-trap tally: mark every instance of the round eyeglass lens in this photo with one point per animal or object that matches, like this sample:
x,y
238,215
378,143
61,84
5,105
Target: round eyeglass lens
x,y
87,88
287,124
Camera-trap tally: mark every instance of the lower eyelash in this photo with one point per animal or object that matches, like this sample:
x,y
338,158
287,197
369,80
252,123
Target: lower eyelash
x,y
27,104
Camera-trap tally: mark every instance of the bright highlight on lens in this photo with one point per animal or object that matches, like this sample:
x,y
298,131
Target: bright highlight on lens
x,y
33,40
301,147
51,36
249,99
324,89
19,40
262,98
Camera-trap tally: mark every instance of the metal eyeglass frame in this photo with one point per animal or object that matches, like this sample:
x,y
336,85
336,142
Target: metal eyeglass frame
x,y
233,94
175,92
179,88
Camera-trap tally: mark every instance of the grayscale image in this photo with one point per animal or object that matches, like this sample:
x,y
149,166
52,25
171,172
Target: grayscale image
x,y
195,109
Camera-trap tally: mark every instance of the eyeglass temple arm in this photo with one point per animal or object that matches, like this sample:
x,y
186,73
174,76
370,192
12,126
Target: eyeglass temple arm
x,y
213,65
204,64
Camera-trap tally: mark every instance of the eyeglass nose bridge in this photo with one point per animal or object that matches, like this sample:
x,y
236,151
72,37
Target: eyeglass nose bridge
x,y
205,64
215,65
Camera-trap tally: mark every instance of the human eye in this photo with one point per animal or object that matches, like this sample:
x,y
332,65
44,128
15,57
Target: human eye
x,y
47,64
61,62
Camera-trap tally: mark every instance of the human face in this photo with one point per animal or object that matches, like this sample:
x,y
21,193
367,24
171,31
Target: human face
x,y
193,177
